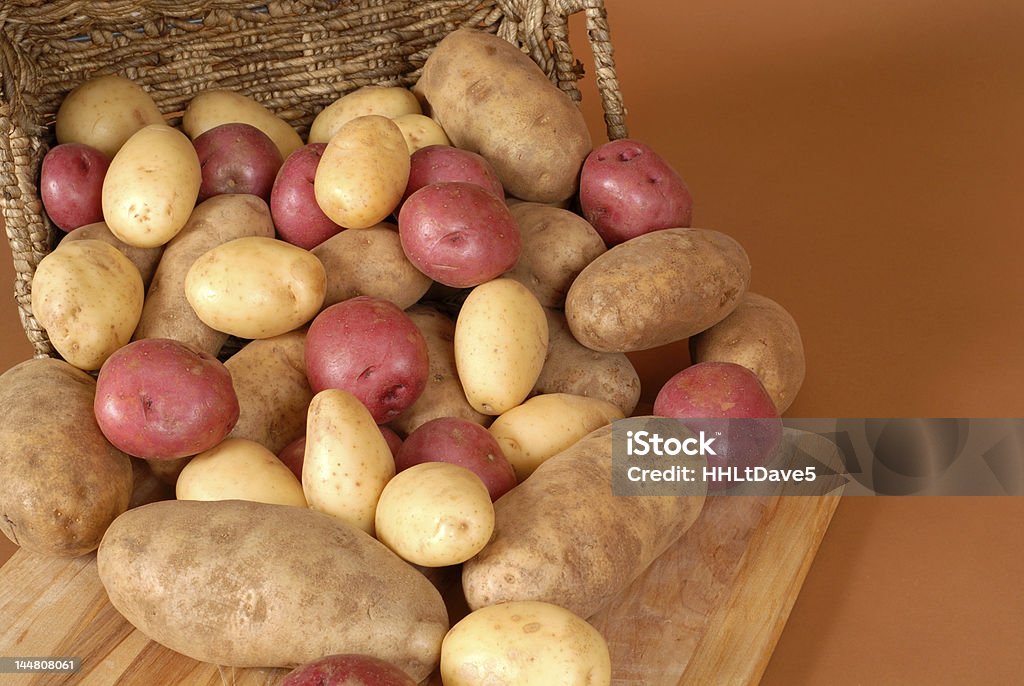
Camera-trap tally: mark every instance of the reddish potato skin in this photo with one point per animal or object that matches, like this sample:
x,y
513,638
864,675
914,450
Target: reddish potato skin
x,y
160,399
459,234
299,220
71,185
627,189
443,163
347,670
294,454
237,158
394,440
370,348
460,442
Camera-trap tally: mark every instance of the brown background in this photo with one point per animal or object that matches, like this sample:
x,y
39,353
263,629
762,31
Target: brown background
x,y
868,155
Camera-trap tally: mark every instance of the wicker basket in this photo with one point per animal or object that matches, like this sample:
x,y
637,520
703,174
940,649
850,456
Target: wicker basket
x,y
294,56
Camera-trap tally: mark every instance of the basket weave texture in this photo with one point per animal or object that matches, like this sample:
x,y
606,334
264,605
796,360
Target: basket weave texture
x,y
293,56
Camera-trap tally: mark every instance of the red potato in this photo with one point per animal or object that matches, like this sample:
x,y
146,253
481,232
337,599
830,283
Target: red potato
x,y
299,220
160,399
370,348
294,454
459,234
627,189
71,185
236,158
442,163
347,670
460,442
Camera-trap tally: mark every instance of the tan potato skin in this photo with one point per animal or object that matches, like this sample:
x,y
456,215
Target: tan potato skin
x,y
492,99
144,259
574,368
763,337
657,288
269,376
63,482
104,112
562,537
248,584
166,313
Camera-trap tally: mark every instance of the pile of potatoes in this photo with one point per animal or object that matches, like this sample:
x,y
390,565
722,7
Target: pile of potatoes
x,y
362,436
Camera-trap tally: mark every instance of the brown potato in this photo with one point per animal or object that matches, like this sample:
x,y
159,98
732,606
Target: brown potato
x,y
145,259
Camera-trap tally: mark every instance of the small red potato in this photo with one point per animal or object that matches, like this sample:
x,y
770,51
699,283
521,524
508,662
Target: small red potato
x,y
627,189
160,399
458,234
237,158
370,348
71,185
441,163
294,454
347,670
299,220
460,442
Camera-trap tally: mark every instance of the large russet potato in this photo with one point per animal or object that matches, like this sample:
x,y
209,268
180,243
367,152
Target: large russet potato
x,y
492,99
248,584
104,112
63,482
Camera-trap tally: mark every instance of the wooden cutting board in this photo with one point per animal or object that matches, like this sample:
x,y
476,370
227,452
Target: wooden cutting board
x,y
709,610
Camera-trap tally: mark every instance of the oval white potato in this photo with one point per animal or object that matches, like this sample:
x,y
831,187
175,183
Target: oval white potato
x,y
347,462
525,643
363,172
501,340
215,107
256,287
386,101
88,296
545,425
435,514
239,469
151,186
420,131
104,112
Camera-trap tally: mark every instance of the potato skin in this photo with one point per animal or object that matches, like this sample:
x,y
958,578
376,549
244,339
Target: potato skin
x,y
144,259
215,107
63,482
763,337
492,99
613,538
249,584
657,288
385,101
104,112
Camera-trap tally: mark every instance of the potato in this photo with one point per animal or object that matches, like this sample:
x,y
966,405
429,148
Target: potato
x,y
350,670
443,395
299,220
147,487
347,461
557,245
88,297
420,131
545,425
104,112
435,514
576,369
215,107
385,101
269,377
168,470
763,337
63,483
613,539
441,163
293,455
501,339
370,262
239,469
71,185
237,158
144,259
492,99
166,312
256,287
656,289
247,584
362,173
527,644
627,190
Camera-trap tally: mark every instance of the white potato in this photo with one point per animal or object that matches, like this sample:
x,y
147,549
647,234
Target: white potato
x,y
501,340
363,173
386,101
104,112
526,643
545,425
215,107
88,296
256,287
347,461
239,469
421,131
